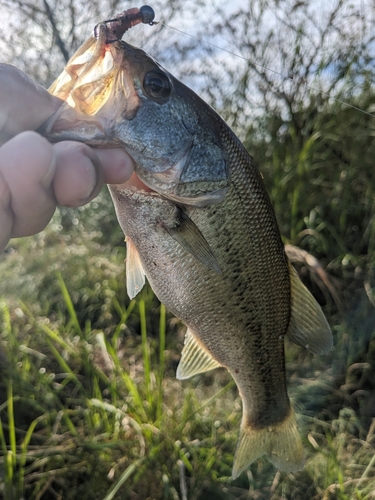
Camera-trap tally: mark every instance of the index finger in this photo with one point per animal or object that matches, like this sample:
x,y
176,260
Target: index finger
x,y
24,105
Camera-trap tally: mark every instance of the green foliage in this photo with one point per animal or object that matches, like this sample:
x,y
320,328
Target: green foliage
x,y
90,407
318,166
92,410
322,162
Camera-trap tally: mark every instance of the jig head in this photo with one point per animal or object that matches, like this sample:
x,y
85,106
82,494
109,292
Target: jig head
x,y
116,27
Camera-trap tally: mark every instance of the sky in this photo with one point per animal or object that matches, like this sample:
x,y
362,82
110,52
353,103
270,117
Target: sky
x,y
200,19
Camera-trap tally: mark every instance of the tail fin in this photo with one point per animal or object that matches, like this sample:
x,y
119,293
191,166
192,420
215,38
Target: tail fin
x,y
281,443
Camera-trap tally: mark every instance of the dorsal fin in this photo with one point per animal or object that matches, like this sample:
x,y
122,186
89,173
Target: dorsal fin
x,y
308,326
135,275
194,359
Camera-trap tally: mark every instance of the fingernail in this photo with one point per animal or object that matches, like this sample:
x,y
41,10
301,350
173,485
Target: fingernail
x,y
47,179
96,182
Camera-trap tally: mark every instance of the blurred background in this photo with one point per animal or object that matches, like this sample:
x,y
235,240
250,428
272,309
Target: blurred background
x,y
89,404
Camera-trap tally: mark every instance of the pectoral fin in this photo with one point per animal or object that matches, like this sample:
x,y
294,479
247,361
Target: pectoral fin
x,y
135,275
187,234
308,326
194,359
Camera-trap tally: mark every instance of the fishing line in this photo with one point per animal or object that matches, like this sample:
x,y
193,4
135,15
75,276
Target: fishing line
x,y
285,77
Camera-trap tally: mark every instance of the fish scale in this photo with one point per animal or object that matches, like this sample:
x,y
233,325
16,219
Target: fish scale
x,y
200,226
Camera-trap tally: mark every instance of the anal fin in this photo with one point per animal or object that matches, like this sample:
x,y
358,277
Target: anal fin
x,y
194,359
135,275
188,235
308,326
280,442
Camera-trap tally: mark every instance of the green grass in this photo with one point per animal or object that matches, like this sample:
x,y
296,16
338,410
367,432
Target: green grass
x,y
90,407
97,412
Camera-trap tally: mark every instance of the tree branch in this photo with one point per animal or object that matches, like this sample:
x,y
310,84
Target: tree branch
x,y
59,41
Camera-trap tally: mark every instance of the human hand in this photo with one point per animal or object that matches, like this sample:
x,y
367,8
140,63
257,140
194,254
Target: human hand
x,y
35,175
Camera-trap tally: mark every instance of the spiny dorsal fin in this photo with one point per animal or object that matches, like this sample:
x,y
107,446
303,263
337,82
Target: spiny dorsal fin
x,y
187,234
194,359
135,275
308,326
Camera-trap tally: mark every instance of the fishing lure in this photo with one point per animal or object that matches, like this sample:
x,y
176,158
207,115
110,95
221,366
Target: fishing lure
x,y
116,27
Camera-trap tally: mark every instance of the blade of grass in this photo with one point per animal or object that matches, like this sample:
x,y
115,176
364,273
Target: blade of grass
x,y
7,324
88,328
123,315
162,328
2,439
63,363
12,429
69,305
367,471
132,388
7,463
127,379
123,478
56,338
145,349
24,448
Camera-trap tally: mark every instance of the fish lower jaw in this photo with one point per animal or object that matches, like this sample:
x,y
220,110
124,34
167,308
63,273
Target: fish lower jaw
x,y
135,185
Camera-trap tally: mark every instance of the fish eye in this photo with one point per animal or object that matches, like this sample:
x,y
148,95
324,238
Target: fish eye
x,y
157,85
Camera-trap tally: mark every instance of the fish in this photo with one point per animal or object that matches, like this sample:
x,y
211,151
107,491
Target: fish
x,y
200,226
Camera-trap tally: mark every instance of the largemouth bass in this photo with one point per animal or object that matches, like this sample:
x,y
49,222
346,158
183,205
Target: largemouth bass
x,y
200,226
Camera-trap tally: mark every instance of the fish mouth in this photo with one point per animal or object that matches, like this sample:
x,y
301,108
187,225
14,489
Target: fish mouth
x,y
135,185
155,183
97,92
164,182
168,183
